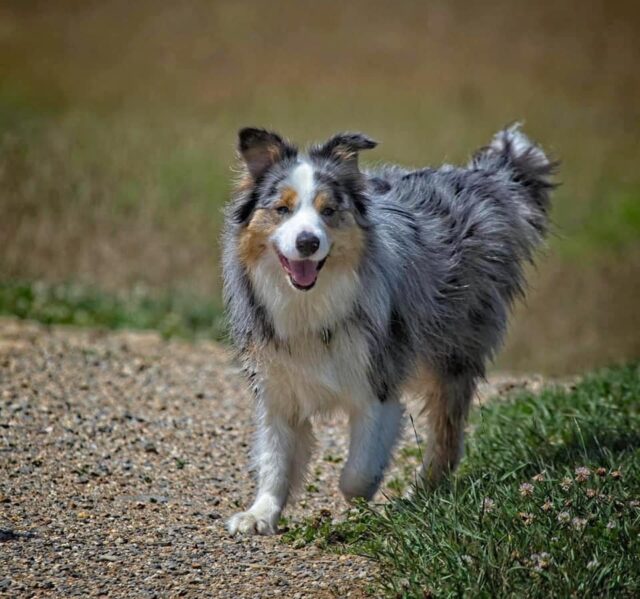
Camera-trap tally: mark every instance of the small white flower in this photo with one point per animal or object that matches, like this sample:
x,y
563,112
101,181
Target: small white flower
x,y
526,489
593,564
564,517
611,525
582,474
540,561
578,523
488,504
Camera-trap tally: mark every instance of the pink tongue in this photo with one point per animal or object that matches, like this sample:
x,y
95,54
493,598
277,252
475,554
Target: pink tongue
x,y
303,272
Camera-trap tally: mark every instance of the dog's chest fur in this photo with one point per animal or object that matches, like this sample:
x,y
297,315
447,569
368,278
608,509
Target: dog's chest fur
x,y
317,373
318,361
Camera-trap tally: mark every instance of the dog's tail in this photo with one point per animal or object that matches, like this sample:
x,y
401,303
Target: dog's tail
x,y
513,155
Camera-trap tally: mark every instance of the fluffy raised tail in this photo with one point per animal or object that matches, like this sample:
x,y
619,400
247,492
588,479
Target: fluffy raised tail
x,y
512,155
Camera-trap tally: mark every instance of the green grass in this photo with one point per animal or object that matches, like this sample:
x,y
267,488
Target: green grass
x,y
546,503
171,314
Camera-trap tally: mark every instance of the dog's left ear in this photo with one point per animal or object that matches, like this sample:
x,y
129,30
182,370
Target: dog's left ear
x,y
261,149
343,148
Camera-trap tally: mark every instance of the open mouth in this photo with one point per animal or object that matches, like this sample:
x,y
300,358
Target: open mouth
x,y
303,274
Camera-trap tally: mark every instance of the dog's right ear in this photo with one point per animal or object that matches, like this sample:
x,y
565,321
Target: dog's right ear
x,y
261,149
343,148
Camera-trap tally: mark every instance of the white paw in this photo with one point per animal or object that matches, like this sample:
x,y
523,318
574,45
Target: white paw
x,y
251,523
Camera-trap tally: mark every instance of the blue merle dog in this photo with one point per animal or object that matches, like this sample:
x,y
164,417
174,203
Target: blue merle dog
x,y
348,287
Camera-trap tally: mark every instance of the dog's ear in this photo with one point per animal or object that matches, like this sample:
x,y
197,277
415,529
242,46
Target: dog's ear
x,y
261,149
343,148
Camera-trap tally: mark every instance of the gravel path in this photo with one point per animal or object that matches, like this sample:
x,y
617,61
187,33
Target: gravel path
x,y
121,456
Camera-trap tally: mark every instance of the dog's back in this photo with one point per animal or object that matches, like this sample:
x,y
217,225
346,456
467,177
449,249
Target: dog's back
x,y
454,243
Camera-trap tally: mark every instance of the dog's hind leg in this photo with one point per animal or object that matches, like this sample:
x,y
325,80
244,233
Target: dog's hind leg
x,y
374,432
447,406
282,452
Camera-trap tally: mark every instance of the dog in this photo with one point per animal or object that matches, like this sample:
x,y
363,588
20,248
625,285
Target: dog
x,y
346,287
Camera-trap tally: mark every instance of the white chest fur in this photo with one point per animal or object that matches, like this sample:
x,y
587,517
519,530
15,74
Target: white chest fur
x,y
304,373
308,375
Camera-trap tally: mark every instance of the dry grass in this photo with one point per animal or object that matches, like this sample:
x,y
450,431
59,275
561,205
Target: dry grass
x,y
117,122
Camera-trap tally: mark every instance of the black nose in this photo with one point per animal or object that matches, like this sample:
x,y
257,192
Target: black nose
x,y
307,243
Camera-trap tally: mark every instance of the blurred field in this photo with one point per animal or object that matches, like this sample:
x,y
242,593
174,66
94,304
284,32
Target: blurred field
x,y
118,121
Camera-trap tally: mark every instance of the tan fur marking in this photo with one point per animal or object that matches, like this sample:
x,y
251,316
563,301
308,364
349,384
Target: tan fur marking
x,y
348,245
274,152
321,201
344,153
288,198
244,183
446,412
254,239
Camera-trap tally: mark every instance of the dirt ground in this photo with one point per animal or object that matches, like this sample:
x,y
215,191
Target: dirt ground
x,y
121,456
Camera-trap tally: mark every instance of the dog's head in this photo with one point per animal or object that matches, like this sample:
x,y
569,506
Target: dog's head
x,y
303,212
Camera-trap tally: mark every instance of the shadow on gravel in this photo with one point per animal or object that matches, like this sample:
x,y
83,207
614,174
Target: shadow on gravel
x,y
11,535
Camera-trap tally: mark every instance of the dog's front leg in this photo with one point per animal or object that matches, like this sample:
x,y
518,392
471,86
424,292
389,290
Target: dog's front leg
x,y
374,431
282,451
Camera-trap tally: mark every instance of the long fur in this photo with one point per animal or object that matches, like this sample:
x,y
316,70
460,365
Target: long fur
x,y
425,307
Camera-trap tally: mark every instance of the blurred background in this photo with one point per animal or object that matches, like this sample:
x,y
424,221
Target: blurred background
x,y
118,123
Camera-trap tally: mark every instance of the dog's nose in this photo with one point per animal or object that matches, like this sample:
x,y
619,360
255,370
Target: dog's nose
x,y
307,243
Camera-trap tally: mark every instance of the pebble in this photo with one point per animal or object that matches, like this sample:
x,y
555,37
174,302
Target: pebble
x,y
108,557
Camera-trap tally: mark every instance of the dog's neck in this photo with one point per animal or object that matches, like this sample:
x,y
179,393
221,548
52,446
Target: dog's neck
x,y
296,313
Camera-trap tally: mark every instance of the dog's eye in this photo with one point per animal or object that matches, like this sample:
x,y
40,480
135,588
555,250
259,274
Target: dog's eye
x,y
328,211
283,210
